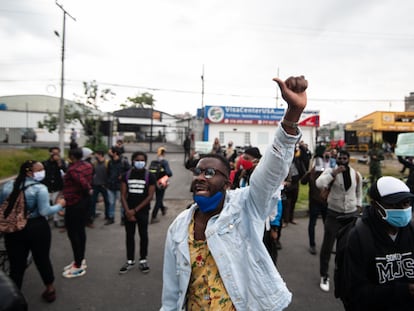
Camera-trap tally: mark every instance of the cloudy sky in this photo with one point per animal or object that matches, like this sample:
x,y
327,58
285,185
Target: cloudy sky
x,y
358,56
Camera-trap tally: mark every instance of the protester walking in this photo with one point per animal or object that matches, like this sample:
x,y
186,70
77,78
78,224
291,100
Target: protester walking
x,y
161,170
376,155
317,205
345,198
187,148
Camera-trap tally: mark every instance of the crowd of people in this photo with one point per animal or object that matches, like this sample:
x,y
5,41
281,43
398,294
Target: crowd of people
x,y
335,195
221,252
67,192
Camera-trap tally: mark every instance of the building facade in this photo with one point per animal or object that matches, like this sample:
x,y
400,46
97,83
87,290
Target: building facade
x,y
251,126
378,127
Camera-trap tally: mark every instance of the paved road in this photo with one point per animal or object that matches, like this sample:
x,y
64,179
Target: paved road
x,y
102,288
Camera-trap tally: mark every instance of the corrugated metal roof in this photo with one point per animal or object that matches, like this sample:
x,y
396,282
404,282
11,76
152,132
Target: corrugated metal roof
x,y
35,103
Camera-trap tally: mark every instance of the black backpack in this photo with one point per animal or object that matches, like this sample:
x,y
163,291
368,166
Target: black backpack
x,y
157,169
349,222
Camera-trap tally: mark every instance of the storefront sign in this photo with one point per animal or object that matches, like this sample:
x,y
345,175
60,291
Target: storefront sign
x,y
252,115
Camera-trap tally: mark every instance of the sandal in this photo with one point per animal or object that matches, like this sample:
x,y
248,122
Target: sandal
x,y
49,296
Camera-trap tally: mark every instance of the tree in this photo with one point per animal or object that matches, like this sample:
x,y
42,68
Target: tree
x,y
85,112
145,100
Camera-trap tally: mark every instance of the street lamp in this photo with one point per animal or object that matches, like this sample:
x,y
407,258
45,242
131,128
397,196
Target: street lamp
x,y
62,81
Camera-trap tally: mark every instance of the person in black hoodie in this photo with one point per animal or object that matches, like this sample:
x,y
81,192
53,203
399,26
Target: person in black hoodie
x,y
117,166
380,276
55,168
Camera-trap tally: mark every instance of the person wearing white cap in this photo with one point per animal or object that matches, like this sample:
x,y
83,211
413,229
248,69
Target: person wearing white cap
x,y
381,277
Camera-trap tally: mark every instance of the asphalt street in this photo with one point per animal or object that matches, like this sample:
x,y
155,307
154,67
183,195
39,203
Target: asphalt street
x,y
102,288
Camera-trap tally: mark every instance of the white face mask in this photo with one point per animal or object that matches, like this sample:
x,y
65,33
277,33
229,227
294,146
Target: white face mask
x,y
139,164
39,175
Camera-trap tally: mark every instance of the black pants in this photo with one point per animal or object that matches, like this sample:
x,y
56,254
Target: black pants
x,y
315,209
271,245
142,222
291,199
35,237
332,226
75,221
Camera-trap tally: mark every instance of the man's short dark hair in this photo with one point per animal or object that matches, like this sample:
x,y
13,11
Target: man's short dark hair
x,y
220,158
116,150
345,153
76,153
137,153
54,148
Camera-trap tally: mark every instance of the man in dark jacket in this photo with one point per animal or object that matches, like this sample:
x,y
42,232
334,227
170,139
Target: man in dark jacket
x,y
160,168
381,277
317,205
117,166
55,168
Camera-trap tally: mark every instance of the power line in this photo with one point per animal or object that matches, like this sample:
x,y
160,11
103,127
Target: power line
x,y
243,96
324,32
157,89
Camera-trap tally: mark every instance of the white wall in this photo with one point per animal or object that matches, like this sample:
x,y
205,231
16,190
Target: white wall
x,y
260,135
20,119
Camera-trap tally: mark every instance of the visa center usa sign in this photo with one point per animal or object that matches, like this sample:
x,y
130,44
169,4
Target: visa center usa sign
x,y
243,115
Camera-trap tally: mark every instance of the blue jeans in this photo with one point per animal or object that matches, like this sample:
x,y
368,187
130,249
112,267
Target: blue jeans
x,y
159,197
315,209
99,189
113,197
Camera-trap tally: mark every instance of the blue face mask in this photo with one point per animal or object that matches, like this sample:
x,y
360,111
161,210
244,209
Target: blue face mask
x,y
397,217
208,204
139,165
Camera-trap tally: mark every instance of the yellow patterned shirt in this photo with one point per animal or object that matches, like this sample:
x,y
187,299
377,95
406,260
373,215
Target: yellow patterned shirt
x,y
206,290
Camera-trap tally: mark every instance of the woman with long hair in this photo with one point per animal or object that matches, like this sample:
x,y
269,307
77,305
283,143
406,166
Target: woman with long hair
x,y
36,235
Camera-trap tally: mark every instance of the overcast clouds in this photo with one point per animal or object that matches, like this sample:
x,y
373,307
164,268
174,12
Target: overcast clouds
x,y
357,55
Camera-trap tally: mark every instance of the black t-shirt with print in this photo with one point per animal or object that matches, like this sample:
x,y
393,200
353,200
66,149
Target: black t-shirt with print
x,y
138,182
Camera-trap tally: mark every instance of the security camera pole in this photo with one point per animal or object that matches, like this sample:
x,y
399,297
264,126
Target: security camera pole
x,y
62,81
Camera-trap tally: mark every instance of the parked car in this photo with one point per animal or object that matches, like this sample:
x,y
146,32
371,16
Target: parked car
x,y
28,134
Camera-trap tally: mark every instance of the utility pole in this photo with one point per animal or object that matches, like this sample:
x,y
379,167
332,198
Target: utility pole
x,y
202,101
202,91
62,83
151,127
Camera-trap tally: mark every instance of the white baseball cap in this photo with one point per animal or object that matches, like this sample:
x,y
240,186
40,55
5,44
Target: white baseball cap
x,y
390,190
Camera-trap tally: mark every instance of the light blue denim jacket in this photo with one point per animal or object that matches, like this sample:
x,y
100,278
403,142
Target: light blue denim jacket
x,y
234,238
37,198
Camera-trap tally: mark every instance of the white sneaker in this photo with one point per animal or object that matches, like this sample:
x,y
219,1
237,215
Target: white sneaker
x,y
324,284
73,272
83,265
